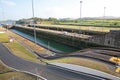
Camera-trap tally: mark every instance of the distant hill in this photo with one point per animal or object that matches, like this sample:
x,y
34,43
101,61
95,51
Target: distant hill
x,y
8,22
106,17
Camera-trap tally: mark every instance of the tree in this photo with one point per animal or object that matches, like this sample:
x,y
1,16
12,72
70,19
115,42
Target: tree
x,y
20,22
52,19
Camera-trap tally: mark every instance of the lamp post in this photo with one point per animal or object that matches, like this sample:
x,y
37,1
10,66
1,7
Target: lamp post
x,y
80,14
81,9
104,18
34,22
104,12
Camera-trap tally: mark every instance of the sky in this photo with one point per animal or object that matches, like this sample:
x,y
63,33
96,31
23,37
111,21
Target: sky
x,y
18,9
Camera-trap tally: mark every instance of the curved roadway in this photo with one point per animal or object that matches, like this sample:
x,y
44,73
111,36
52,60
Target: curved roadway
x,y
39,69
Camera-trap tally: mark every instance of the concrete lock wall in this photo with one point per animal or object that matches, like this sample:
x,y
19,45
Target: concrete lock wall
x,y
61,38
111,39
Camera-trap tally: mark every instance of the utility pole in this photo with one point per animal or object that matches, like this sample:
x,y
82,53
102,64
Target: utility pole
x,y
34,22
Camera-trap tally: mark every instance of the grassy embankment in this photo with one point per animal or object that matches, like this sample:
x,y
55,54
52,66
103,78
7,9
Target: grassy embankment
x,y
17,48
8,74
28,43
16,76
20,51
4,69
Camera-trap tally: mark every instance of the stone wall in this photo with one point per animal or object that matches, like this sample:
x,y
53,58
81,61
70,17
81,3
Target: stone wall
x,y
111,39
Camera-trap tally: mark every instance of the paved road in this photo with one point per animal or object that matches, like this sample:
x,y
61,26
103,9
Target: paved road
x,y
49,73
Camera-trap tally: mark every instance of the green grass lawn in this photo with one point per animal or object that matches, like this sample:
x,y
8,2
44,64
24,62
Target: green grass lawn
x,y
93,25
107,23
86,22
4,38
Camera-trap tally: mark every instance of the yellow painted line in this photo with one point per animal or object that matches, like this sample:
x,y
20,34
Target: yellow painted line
x,y
115,59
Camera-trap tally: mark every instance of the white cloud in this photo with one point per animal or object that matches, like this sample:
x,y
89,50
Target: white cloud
x,y
8,3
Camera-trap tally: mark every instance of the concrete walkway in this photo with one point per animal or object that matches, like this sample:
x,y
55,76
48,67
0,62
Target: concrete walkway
x,y
84,70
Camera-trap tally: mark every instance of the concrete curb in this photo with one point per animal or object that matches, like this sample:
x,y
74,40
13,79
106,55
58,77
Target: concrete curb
x,y
102,75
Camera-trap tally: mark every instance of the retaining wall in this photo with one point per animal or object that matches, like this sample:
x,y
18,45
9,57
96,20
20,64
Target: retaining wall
x,y
111,39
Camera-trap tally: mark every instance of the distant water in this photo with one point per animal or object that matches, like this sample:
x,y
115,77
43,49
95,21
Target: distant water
x,y
52,44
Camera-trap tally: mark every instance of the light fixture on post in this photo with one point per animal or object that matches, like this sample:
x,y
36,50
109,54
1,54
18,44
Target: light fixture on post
x,y
34,22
